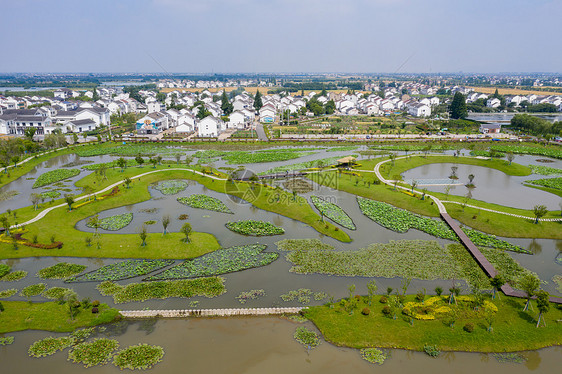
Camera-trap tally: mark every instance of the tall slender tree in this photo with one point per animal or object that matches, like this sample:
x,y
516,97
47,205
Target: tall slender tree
x,y
258,103
458,106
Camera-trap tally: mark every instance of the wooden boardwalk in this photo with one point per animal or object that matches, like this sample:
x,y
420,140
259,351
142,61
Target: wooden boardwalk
x,y
483,261
182,313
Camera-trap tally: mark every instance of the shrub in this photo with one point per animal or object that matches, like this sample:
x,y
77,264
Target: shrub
x,y
431,350
366,311
383,300
386,311
420,296
4,269
469,327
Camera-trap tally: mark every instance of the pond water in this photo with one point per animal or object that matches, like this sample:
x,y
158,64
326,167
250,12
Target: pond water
x,y
263,344
492,185
259,345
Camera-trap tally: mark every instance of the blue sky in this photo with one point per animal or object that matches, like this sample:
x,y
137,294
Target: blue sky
x,y
202,36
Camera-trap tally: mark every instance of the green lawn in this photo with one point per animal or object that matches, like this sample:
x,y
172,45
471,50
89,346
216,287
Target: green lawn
x,y
50,316
513,330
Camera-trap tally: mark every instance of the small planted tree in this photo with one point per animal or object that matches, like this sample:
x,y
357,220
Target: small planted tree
x,y
139,160
69,199
5,224
127,182
539,211
143,235
165,222
122,163
372,289
388,291
497,282
95,223
454,172
178,158
543,305
71,298
186,230
470,179
438,291
510,157
529,284
154,162
414,185
35,198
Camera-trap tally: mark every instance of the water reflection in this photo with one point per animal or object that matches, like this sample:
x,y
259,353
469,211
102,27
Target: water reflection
x,y
535,247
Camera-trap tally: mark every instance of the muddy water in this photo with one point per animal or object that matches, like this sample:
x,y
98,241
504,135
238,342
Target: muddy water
x,y
259,345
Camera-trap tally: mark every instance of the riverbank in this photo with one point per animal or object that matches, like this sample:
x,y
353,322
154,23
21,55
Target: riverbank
x,y
51,316
512,329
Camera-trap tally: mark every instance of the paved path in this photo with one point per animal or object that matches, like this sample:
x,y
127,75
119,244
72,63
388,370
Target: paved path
x,y
179,313
465,240
261,132
109,188
507,214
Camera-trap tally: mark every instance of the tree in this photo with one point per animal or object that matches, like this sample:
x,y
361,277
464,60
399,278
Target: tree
x,y
257,100
95,96
127,182
497,282
438,291
510,157
69,199
203,112
165,222
529,284
71,298
102,171
186,230
539,211
470,179
414,185
458,107
543,304
372,289
143,235
226,105
35,198
154,162
15,160
30,132
405,284
122,163
178,158
6,224
139,160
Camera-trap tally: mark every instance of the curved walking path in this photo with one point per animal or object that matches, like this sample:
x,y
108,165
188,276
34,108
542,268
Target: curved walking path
x,y
488,268
180,313
43,213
